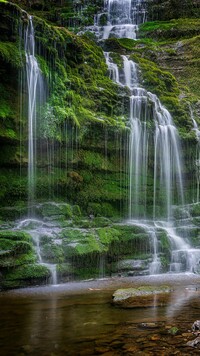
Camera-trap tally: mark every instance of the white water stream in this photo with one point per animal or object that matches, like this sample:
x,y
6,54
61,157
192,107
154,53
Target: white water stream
x,y
35,88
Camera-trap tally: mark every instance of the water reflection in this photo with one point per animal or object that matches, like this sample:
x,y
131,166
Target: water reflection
x,y
181,299
57,323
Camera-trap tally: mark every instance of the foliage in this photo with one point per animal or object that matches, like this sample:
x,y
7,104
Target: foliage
x,y
11,54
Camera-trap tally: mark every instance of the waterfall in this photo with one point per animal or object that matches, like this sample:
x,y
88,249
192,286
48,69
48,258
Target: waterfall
x,y
154,147
146,110
35,89
36,97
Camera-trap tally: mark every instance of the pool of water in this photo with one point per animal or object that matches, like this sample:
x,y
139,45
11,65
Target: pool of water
x,y
80,319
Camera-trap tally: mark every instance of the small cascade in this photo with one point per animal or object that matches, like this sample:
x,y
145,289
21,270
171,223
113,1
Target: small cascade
x,y
113,68
148,226
38,229
35,88
123,17
155,266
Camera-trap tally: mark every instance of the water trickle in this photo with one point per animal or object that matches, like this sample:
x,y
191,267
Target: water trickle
x,y
35,88
113,68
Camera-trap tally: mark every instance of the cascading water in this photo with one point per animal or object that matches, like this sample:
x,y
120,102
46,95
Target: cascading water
x,y
35,88
38,229
123,18
153,137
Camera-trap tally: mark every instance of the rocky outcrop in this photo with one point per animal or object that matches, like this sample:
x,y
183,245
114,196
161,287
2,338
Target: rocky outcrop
x,y
164,10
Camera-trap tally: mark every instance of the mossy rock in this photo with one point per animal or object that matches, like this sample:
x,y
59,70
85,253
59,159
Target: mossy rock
x,y
9,260
54,209
102,209
179,28
12,213
76,211
130,231
65,271
52,253
86,246
107,235
14,247
73,234
135,265
195,210
141,297
15,235
25,275
82,223
100,221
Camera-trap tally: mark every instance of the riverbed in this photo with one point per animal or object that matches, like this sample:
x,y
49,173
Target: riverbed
x,y
79,319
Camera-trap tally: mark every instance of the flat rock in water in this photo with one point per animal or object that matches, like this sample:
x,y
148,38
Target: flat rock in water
x,y
145,296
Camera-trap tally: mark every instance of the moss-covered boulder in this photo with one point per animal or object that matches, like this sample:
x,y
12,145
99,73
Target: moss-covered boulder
x,y
18,266
141,297
95,247
55,210
24,275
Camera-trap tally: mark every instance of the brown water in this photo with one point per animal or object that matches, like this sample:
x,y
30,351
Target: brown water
x,y
79,319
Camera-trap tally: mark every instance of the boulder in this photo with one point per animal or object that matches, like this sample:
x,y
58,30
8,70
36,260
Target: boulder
x,y
144,296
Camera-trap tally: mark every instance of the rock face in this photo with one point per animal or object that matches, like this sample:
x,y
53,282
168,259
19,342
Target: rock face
x,y
83,130
146,296
163,10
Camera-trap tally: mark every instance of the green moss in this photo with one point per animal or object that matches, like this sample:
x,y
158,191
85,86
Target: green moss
x,y
28,272
108,235
65,270
155,79
15,247
103,209
13,261
76,211
56,209
100,221
165,243
86,245
15,235
72,234
52,253
79,82
11,54
179,28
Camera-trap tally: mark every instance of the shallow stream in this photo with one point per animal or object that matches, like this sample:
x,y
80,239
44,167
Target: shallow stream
x,y
79,319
